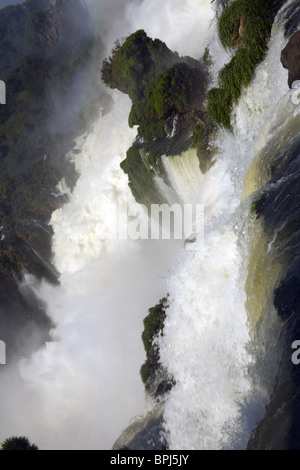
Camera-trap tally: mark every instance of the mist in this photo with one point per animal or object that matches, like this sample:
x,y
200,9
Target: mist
x,y
82,388
183,25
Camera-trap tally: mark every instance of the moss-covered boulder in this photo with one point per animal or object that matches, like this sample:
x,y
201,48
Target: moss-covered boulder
x,y
168,94
244,27
155,378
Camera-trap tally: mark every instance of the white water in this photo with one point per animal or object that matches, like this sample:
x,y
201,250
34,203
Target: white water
x,y
183,25
82,389
206,333
184,174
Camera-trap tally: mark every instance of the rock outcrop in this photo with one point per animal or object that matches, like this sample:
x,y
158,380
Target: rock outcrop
x,y
290,58
44,45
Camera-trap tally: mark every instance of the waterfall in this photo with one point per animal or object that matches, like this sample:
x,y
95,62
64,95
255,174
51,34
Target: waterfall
x,y
207,345
83,388
184,174
106,285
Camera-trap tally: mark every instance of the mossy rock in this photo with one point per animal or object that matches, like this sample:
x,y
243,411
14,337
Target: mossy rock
x,y
163,88
153,328
244,25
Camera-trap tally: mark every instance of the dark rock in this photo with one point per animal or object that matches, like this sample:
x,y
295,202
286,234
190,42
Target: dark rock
x,y
164,387
146,433
290,58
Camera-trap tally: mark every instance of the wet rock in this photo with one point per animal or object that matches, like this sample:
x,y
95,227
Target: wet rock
x,y
290,58
146,433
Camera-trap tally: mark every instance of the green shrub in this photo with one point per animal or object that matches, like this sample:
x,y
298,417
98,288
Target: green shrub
x,y
159,83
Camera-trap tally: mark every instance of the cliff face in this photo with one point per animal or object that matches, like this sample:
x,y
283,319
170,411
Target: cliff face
x,y
40,27
44,45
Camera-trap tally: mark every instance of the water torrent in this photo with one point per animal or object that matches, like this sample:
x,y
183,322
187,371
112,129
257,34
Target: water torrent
x,y
106,285
184,174
207,344
83,388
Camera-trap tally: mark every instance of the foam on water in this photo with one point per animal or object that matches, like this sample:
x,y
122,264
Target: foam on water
x,y
184,174
84,387
206,338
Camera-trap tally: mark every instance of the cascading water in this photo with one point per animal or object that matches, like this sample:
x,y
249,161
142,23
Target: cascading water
x,y
207,345
83,388
106,282
184,174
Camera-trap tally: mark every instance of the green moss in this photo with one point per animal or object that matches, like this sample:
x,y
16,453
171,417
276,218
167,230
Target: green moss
x,y
163,87
170,91
247,10
153,327
219,107
199,138
254,18
32,153
145,372
134,64
169,94
141,177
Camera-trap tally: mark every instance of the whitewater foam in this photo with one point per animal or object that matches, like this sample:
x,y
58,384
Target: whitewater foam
x,y
206,337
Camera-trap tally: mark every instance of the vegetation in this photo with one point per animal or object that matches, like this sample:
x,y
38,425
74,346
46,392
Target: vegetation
x,y
153,327
167,93
170,94
141,175
219,107
245,26
39,71
18,443
200,140
247,11
135,63
207,59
